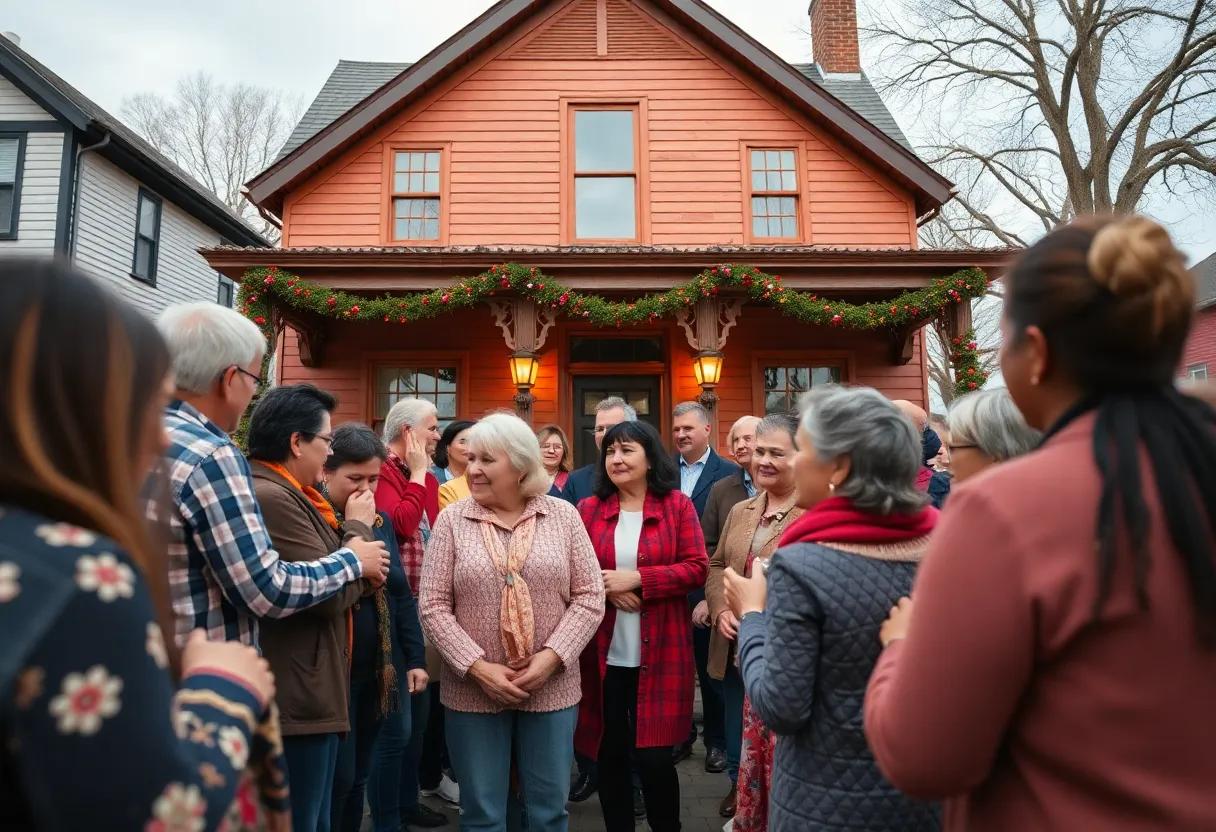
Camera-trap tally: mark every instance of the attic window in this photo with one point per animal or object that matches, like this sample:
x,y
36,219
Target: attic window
x,y
774,194
416,197
605,173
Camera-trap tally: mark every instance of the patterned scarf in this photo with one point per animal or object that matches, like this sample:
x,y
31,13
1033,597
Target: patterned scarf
x,y
386,673
515,615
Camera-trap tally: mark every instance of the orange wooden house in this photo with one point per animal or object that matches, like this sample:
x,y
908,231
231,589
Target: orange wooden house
x,y
620,147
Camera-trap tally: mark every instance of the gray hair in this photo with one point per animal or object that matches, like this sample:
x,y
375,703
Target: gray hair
x,y
205,339
883,447
506,433
409,411
991,421
684,408
615,402
730,435
777,423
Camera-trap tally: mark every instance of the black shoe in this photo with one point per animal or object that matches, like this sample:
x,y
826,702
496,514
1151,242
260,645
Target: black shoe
x,y
715,761
639,805
424,817
681,752
585,785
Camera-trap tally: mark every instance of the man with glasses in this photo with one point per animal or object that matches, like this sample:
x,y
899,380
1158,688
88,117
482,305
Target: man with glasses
x,y
224,574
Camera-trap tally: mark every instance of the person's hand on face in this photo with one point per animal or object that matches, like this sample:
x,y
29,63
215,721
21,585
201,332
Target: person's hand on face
x,y
416,457
361,507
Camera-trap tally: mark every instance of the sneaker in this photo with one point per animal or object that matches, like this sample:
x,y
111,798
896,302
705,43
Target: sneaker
x,y
639,805
448,792
423,817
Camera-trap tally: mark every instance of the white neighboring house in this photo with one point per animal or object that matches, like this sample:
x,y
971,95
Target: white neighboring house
x,y
77,183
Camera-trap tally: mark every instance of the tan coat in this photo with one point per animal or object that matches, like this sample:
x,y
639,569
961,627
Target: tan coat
x,y
307,651
732,551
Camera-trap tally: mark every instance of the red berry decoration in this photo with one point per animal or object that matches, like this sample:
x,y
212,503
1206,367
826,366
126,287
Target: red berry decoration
x,y
298,290
259,320
332,301
269,281
505,283
446,297
424,300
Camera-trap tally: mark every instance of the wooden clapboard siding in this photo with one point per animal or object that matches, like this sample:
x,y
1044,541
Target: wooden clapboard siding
x,y
502,120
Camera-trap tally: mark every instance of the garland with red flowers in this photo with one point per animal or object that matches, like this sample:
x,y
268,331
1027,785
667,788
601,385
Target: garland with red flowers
x,y
969,373
259,286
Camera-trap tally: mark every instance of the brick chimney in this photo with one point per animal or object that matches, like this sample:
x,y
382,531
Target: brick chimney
x,y
834,36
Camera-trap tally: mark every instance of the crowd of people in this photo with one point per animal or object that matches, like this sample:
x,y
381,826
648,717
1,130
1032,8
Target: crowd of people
x,y
200,638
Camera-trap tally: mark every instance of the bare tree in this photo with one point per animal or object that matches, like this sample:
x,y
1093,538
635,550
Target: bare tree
x,y
222,135
1041,110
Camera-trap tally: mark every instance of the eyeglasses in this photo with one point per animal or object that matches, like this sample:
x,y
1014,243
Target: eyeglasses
x,y
556,448
243,371
327,439
953,448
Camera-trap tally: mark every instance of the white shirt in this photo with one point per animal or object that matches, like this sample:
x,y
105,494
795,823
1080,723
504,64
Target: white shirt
x,y
691,474
626,647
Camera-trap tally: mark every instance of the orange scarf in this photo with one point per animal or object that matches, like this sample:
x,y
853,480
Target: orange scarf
x,y
314,496
515,619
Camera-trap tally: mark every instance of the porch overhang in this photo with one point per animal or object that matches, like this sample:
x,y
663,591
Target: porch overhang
x,y
613,269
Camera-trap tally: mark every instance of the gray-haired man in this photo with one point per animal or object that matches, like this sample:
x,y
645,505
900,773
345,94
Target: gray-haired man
x,y
609,412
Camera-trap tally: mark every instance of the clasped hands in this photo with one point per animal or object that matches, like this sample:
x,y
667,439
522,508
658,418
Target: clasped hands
x,y
620,589
511,684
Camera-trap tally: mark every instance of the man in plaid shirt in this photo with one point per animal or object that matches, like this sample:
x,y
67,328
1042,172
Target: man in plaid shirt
x,y
224,573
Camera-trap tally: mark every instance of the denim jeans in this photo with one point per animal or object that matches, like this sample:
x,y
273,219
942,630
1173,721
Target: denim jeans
x,y
311,760
392,786
732,702
481,746
355,754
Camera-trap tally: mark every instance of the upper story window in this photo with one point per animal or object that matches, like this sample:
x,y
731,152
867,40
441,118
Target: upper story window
x,y
147,238
416,196
12,157
1197,372
226,294
605,143
774,194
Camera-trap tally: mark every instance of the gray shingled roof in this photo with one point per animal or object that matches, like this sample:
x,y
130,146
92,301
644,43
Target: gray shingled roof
x,y
353,81
1205,282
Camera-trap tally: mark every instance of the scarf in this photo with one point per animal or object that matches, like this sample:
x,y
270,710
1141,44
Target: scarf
x,y
516,625
318,500
836,520
386,673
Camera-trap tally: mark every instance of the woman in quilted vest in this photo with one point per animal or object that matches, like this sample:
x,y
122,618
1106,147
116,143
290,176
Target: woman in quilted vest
x,y
638,671
808,624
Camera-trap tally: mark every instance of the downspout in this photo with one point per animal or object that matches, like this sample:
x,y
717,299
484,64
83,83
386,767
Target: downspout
x,y
76,194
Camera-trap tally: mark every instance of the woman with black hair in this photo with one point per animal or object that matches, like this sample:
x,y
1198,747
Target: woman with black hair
x,y
1060,672
387,659
451,452
638,672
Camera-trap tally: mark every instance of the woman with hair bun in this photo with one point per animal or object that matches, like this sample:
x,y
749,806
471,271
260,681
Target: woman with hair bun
x,y
1062,664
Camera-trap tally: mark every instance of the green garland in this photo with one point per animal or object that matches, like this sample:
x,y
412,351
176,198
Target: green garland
x,y
969,374
260,285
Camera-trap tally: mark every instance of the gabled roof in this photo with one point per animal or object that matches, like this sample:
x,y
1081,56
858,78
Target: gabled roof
x,y
1205,282
882,143
127,149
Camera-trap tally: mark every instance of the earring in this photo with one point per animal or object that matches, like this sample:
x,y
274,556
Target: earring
x,y
1034,380
831,488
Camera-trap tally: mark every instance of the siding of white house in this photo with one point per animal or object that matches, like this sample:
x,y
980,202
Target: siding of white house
x,y
16,106
40,176
105,241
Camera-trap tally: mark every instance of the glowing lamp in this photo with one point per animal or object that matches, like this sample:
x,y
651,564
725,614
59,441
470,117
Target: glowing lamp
x,y
523,369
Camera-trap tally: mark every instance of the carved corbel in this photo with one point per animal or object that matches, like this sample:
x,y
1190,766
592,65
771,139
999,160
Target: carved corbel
x,y
525,327
706,325
900,342
311,343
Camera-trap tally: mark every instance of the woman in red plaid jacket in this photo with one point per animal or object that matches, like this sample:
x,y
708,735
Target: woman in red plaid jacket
x,y
638,671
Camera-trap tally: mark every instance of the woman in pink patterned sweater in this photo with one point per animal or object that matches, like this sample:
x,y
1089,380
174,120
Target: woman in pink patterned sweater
x,y
511,594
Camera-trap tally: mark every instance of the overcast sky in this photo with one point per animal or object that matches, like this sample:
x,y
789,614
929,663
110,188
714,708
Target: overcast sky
x,y
115,48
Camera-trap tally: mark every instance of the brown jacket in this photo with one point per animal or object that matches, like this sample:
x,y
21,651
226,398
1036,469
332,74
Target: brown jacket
x,y
725,494
307,651
732,550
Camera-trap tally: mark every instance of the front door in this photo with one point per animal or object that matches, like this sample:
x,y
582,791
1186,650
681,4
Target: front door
x,y
640,391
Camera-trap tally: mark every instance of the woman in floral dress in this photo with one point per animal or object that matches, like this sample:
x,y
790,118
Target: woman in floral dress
x,y
103,723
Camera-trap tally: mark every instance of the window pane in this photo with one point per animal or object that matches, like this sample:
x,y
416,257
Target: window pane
x,y
590,400
758,206
800,378
430,229
774,226
772,160
143,258
787,206
447,379
789,227
446,403
787,160
147,218
759,227
6,207
414,230
401,230
757,180
401,162
603,140
415,183
789,181
8,161
776,403
774,206
416,162
757,160
430,209
774,378
426,381
401,183
432,161
431,183
774,181
604,208
385,376
640,402
825,375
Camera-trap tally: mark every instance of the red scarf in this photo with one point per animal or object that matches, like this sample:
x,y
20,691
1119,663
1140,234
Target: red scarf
x,y
835,520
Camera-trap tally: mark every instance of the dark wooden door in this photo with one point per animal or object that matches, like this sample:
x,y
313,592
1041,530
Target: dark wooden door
x,y
640,391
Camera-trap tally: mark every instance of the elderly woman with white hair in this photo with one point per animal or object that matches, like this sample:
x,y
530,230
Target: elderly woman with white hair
x,y
808,623
511,594
986,427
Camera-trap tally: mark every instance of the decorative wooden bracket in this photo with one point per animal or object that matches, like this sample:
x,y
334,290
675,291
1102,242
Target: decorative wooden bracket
x,y
518,318
712,319
310,338
958,319
900,341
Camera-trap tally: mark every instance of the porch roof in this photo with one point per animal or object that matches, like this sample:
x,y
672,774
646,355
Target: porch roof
x,y
612,268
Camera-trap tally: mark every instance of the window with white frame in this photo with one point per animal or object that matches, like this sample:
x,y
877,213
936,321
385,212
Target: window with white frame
x,y
1197,372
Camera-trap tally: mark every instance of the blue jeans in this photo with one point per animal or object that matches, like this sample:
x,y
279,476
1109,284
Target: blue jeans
x,y
355,754
311,760
392,786
732,696
481,746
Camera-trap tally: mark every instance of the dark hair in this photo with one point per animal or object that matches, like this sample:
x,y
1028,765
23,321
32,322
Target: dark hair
x,y
663,476
354,444
80,369
282,413
448,437
1114,302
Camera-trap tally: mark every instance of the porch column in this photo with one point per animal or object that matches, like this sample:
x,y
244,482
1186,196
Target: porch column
x,y
525,327
706,325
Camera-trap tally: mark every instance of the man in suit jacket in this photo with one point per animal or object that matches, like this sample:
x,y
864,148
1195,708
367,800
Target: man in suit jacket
x,y
608,413
736,488
700,468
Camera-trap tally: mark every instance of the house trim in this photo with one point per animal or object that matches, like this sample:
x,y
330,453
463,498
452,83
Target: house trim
x,y
67,193
45,126
267,188
10,233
